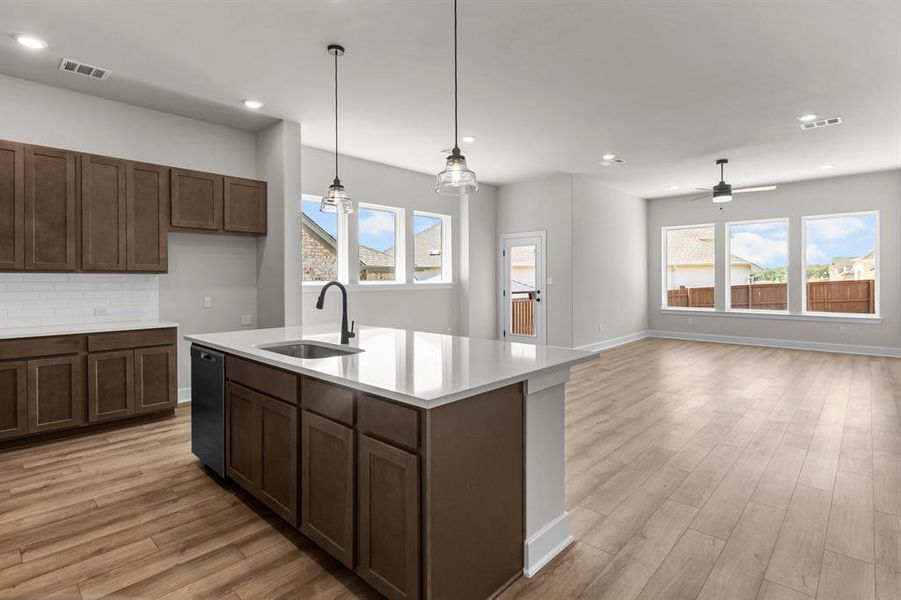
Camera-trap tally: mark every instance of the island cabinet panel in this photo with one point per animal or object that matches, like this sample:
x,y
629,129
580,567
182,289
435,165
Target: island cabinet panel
x,y
327,485
50,219
328,400
55,393
110,385
272,382
242,437
103,219
388,540
196,200
155,379
244,206
279,457
147,214
12,206
13,400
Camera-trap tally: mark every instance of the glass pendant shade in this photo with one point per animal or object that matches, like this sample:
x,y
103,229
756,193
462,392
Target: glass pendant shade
x,y
456,179
336,200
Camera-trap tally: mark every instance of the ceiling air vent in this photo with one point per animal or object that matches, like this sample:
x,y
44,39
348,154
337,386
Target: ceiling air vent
x,y
822,123
86,70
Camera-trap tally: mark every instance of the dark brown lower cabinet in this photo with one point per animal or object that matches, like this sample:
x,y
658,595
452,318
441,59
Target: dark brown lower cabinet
x,y
155,379
111,387
327,485
242,437
13,400
388,540
55,393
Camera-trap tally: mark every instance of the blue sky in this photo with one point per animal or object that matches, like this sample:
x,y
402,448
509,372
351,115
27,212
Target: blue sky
x,y
853,236
377,227
328,221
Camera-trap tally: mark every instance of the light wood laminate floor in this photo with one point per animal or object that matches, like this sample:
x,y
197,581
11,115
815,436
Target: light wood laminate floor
x,y
693,471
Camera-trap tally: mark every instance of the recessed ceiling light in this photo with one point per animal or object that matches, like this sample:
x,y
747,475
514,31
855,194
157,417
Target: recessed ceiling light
x,y
807,118
468,139
31,42
609,156
827,166
674,187
253,104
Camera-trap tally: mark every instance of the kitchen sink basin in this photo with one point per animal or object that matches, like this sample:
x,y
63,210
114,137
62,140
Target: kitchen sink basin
x,y
310,349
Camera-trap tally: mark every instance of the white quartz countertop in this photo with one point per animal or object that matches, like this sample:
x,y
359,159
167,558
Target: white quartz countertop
x,y
81,328
415,367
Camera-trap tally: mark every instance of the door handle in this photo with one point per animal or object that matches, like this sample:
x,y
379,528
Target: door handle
x,y
537,299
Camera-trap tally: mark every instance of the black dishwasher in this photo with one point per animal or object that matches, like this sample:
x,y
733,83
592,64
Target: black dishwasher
x,y
208,407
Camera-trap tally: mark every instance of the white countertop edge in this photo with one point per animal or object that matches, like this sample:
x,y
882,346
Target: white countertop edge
x,y
10,333
391,395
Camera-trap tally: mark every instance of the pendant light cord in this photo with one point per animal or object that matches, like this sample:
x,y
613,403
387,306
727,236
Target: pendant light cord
x,y
456,101
336,116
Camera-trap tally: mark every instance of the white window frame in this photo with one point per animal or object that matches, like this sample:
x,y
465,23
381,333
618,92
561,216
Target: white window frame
x,y
340,243
728,266
876,285
447,248
664,285
400,243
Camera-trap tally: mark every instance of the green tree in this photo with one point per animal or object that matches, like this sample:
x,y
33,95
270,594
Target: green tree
x,y
817,272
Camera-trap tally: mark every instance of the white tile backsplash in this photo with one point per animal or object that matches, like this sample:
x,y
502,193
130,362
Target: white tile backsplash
x,y
33,299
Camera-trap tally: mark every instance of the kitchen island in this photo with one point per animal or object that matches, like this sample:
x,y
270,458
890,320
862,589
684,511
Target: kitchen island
x,y
430,464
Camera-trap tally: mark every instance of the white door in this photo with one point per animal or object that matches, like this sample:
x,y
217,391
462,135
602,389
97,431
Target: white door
x,y
522,314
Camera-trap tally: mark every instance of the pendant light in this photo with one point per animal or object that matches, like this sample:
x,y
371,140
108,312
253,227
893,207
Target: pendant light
x,y
336,199
456,179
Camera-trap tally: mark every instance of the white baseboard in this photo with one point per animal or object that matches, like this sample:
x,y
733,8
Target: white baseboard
x,y
546,543
184,395
776,343
613,343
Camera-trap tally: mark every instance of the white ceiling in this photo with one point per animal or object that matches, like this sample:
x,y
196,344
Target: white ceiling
x,y
546,86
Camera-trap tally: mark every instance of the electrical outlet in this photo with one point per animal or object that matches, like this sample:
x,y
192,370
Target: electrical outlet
x,y
246,319
207,302
600,328
101,311
691,321
550,281
842,330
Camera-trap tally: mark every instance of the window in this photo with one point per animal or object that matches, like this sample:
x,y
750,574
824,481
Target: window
x,y
689,273
381,247
758,265
841,263
431,248
319,242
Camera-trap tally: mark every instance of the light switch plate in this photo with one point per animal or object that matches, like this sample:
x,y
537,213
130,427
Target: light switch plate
x,y
246,319
207,302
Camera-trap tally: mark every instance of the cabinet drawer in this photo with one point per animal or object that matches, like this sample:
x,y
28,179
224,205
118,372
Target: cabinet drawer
x,y
391,422
121,340
41,346
273,382
328,400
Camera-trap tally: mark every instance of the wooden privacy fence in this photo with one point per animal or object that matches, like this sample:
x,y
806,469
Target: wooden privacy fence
x,y
523,322
822,296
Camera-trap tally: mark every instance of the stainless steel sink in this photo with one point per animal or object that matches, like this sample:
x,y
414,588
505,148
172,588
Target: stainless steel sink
x,y
303,349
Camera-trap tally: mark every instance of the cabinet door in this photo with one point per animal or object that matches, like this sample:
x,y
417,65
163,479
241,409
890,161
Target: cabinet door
x,y
327,485
242,437
196,200
55,393
147,213
155,379
278,457
111,386
103,225
388,538
13,402
245,206
50,223
12,206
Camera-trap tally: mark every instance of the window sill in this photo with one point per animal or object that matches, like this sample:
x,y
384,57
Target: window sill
x,y
313,287
777,315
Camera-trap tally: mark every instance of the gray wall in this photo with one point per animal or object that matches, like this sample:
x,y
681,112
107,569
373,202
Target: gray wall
x,y
595,235
874,191
478,264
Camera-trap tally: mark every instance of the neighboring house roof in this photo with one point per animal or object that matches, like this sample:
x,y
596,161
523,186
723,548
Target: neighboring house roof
x,y
695,247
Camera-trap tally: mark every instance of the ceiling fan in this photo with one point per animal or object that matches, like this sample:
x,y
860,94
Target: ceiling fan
x,y
722,192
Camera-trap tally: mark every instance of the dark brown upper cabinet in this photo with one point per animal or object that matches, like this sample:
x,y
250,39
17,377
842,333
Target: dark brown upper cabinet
x,y
196,200
103,220
245,206
147,215
50,220
12,206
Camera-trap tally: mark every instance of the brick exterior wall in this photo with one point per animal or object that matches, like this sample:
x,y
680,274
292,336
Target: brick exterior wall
x,y
319,260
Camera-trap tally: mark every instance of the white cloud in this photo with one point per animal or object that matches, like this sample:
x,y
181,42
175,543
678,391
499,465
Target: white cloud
x,y
815,255
376,222
834,228
759,249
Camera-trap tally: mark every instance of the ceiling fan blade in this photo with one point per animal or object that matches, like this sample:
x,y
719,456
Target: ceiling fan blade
x,y
760,188
705,196
704,189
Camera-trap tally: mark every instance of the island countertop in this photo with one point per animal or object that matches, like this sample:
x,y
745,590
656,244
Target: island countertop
x,y
414,367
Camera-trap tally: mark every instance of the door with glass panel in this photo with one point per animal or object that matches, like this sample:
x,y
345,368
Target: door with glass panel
x,y
522,288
